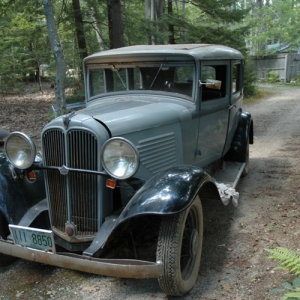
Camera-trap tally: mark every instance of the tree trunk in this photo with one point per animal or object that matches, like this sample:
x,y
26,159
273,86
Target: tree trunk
x,y
148,7
150,16
115,25
154,10
260,45
59,58
96,17
159,7
183,30
160,4
79,29
171,25
259,3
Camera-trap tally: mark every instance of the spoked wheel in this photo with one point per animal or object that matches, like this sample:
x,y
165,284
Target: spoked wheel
x,y
4,232
179,249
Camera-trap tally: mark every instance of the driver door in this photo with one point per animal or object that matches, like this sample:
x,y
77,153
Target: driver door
x,y
214,113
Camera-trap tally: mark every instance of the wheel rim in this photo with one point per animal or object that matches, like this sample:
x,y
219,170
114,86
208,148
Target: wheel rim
x,y
190,243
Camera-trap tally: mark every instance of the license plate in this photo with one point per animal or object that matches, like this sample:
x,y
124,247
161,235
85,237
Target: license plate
x,y
38,239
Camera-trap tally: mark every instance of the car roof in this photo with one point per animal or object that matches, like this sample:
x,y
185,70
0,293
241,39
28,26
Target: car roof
x,y
158,52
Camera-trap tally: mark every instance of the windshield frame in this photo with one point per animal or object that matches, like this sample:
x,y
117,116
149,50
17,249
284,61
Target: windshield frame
x,y
161,66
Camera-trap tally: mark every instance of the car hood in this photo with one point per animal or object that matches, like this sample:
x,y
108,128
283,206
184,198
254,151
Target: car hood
x,y
126,114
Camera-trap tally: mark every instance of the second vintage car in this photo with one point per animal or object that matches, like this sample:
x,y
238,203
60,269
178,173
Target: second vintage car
x,y
119,186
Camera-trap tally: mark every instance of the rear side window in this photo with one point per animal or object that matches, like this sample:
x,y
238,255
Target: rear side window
x,y
236,78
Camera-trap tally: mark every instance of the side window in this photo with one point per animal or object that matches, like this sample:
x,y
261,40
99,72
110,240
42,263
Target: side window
x,y
208,72
214,79
236,78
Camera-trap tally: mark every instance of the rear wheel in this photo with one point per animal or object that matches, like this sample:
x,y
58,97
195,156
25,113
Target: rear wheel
x,y
179,249
246,169
4,232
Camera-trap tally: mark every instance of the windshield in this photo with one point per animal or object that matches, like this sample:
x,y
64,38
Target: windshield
x,y
174,78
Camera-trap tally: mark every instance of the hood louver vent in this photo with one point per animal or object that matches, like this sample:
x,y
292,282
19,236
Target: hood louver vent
x,y
158,153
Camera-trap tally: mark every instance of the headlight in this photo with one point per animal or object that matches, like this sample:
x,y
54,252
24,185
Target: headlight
x,y
20,150
120,158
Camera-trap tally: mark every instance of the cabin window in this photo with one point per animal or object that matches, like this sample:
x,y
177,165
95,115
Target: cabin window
x,y
213,79
236,78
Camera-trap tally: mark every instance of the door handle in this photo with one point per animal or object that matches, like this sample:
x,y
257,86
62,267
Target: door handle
x,y
231,106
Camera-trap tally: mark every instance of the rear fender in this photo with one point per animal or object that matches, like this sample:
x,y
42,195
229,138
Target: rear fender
x,y
244,131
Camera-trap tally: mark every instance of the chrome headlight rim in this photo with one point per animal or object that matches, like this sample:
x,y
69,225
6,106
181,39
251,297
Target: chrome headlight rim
x,y
133,148
32,149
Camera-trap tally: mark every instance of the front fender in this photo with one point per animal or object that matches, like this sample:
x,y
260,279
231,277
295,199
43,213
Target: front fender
x,y
17,194
168,192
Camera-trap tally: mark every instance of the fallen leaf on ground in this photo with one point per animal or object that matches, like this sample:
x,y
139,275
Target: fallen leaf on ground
x,y
226,287
90,288
229,264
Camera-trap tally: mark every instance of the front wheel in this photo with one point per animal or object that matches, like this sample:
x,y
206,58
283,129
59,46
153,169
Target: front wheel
x,y
4,232
179,249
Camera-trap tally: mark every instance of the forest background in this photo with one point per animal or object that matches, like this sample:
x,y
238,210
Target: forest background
x,y
47,39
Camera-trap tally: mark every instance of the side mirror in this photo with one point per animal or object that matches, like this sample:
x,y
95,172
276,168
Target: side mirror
x,y
211,84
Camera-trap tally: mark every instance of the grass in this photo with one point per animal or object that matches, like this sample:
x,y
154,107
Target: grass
x,y
259,95
266,89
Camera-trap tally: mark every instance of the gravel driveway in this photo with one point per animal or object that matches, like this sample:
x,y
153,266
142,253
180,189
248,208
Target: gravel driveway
x,y
234,263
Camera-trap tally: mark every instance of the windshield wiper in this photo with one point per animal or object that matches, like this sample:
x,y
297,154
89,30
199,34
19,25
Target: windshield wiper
x,y
114,69
160,67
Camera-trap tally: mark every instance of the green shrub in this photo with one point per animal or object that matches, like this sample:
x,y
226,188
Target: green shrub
x,y
249,79
296,79
273,77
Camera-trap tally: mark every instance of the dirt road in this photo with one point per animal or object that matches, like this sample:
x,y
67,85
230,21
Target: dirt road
x,y
234,263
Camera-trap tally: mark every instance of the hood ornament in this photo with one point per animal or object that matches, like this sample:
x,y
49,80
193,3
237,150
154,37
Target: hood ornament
x,y
67,118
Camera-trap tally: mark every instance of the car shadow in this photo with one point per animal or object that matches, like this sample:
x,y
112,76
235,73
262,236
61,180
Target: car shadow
x,y
218,220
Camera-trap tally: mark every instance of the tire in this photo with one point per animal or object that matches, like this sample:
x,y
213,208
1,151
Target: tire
x,y
179,249
246,170
5,260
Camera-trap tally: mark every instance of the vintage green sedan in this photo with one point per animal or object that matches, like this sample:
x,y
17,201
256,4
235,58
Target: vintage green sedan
x,y
119,186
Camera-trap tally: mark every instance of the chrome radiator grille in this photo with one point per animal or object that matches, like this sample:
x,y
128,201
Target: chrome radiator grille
x,y
73,198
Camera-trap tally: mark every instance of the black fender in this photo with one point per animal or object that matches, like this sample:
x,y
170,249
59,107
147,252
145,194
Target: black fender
x,y
244,132
3,134
168,192
17,193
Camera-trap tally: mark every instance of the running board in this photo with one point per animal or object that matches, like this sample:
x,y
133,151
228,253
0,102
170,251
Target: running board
x,y
227,179
230,173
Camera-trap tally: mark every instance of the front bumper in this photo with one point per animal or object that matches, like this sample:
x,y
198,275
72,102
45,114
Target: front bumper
x,y
126,268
